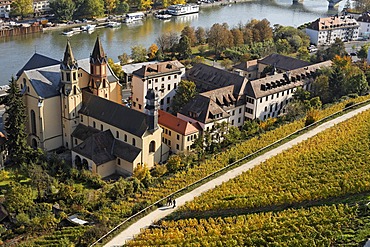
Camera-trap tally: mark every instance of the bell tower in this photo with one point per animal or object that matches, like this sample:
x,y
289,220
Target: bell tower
x,y
71,95
98,83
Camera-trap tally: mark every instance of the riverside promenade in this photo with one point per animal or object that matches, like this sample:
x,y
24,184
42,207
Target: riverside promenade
x,y
160,213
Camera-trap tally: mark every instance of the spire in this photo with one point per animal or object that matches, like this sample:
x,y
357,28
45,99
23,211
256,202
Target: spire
x,y
69,62
98,54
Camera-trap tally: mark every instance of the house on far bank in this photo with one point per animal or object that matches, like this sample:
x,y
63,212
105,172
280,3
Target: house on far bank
x,y
163,77
324,31
364,22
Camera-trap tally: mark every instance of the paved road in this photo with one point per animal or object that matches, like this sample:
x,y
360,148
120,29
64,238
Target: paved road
x,y
160,213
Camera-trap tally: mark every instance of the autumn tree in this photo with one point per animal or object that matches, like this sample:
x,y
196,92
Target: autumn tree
x,y
124,58
110,5
186,90
152,51
117,69
122,7
190,33
145,4
22,7
238,36
219,38
92,8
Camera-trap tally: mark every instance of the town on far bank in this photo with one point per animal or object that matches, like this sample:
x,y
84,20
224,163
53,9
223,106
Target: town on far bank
x,y
88,142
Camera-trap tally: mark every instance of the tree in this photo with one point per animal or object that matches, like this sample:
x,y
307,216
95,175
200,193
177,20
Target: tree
x,y
92,8
219,38
15,124
117,69
238,37
152,51
63,9
22,7
174,163
200,34
19,198
145,4
185,91
142,173
110,5
227,63
122,7
320,88
124,58
190,33
184,48
138,53
362,53
39,180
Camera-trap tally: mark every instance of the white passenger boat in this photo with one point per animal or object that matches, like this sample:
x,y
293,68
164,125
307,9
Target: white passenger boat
x,y
88,28
183,9
132,17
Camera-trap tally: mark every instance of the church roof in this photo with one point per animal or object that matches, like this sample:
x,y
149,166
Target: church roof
x,y
102,147
82,132
114,114
38,61
46,80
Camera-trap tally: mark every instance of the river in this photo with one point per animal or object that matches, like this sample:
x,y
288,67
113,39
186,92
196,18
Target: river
x,y
16,51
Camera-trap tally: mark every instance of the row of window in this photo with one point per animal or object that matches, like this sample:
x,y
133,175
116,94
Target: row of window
x,y
192,137
277,105
162,79
125,138
233,112
289,91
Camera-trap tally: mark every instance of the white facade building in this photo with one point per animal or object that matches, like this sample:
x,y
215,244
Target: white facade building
x,y
162,77
364,22
324,31
267,97
5,8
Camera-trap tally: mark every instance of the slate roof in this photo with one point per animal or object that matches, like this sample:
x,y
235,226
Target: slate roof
x,y
283,62
82,132
46,80
176,124
69,61
247,66
158,69
283,81
209,78
102,147
200,108
222,96
365,17
38,61
114,114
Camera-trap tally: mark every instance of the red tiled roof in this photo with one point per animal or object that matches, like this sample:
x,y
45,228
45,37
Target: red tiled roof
x,y
176,124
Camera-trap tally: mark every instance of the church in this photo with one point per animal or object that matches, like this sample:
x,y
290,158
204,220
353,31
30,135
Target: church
x,y
77,105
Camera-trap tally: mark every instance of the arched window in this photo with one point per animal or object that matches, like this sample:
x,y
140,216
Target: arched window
x,y
33,122
152,146
78,162
74,90
34,143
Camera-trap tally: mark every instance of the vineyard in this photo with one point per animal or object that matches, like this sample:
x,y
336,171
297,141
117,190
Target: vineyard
x,y
316,226
333,163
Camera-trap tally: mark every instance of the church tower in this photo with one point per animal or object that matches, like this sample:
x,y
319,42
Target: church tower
x,y
99,84
71,95
151,109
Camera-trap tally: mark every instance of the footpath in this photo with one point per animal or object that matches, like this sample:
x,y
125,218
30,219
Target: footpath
x,y
160,213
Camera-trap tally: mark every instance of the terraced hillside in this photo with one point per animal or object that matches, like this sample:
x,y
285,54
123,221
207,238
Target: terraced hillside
x,y
332,164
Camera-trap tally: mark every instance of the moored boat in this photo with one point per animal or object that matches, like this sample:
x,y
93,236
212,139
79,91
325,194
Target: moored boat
x,y
113,24
163,16
183,9
132,17
69,33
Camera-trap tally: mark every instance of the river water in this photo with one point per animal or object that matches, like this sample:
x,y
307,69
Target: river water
x,y
15,51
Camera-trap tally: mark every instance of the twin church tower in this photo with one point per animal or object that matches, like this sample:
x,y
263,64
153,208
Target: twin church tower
x,y
77,105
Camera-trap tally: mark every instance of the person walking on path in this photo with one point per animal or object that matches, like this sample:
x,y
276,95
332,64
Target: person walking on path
x,y
174,203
